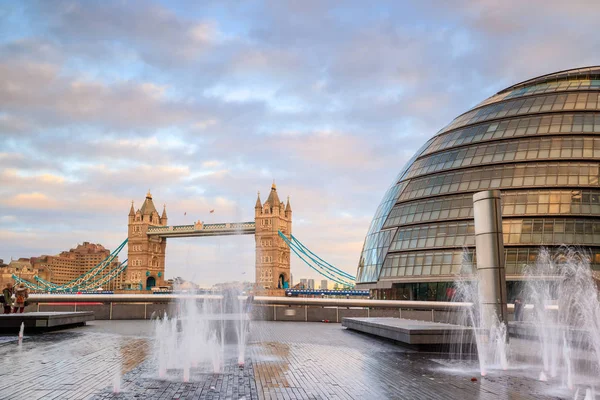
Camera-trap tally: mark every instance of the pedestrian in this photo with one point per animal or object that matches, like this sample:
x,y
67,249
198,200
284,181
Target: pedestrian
x,y
249,302
8,292
450,292
21,295
518,309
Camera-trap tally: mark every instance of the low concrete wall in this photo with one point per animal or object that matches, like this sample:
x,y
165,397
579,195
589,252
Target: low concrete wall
x,y
448,317
310,311
60,308
129,311
100,311
318,314
292,313
352,312
263,313
419,315
383,312
159,310
303,313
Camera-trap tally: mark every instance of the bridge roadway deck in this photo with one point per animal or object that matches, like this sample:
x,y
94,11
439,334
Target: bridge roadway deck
x,y
285,360
220,229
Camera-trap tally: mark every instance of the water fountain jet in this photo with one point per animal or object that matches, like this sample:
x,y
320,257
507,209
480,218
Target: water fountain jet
x,y
21,331
561,328
197,337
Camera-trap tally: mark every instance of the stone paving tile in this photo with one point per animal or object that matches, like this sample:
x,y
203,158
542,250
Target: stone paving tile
x,y
284,361
66,364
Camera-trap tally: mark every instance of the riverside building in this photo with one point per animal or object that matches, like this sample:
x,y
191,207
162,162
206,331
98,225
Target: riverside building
x,y
538,142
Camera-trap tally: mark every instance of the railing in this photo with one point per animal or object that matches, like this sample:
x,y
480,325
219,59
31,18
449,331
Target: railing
x,y
327,292
202,227
106,297
243,225
173,228
147,306
259,300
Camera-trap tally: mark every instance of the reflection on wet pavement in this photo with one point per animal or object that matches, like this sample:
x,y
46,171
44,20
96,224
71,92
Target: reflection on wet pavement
x,y
270,365
285,360
65,364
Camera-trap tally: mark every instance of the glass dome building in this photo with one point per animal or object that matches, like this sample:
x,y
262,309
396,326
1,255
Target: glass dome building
x,y
538,142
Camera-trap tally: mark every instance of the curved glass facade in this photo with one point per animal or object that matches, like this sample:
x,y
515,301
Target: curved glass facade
x,y
538,142
528,126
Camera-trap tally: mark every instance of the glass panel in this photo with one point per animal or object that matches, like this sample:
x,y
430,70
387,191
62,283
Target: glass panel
x,y
528,149
550,231
516,107
514,203
455,234
451,262
530,126
487,177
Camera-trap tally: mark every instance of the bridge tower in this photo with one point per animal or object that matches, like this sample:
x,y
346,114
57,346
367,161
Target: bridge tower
x,y
146,254
272,254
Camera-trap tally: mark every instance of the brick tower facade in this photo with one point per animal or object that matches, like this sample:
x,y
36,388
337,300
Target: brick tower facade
x,y
272,254
146,254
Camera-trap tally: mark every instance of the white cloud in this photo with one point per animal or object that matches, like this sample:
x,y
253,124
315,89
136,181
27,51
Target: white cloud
x,y
205,124
204,32
35,200
212,163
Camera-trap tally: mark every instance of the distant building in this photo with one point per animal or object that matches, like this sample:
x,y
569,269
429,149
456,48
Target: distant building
x,y
324,284
21,268
69,265
311,284
62,268
303,283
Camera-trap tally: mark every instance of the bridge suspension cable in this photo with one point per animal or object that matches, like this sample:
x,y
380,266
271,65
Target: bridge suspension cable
x,y
28,284
328,266
99,275
104,279
316,263
86,278
87,285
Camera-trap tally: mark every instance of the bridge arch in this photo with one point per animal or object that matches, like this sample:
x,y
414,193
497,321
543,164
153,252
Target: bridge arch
x,y
283,281
150,282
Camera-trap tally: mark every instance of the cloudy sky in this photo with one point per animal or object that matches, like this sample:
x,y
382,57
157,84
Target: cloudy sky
x,y
206,102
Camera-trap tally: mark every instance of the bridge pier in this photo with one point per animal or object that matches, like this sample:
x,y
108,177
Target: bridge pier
x,y
272,253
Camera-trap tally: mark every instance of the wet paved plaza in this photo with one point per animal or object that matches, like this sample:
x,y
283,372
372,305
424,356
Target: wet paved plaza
x,y
284,360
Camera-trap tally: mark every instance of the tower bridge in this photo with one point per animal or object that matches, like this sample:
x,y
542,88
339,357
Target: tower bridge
x,y
148,233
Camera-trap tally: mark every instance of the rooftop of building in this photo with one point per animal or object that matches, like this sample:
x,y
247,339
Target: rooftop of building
x,y
591,72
